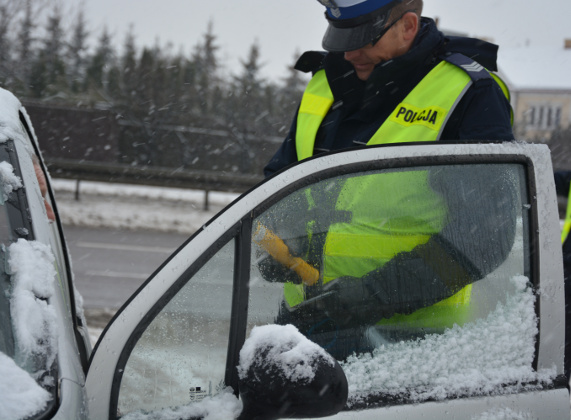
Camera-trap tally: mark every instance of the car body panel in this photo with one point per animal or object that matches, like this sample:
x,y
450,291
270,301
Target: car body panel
x,y
535,405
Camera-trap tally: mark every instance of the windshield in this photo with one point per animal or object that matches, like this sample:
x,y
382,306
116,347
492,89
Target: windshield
x,y
415,279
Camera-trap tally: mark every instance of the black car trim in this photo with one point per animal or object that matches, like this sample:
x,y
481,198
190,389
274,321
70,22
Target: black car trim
x,y
240,299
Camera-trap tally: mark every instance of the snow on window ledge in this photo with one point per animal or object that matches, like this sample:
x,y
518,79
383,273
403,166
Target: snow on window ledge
x,y
490,356
21,395
8,181
31,266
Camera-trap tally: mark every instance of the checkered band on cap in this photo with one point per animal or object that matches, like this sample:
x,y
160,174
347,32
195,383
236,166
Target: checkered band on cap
x,y
348,9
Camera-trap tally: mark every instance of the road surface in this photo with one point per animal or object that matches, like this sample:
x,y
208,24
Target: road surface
x,y
110,264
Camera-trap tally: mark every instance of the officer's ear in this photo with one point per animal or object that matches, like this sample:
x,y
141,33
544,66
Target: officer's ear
x,y
409,25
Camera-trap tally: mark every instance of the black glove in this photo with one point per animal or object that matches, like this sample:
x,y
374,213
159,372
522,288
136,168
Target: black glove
x,y
275,272
351,302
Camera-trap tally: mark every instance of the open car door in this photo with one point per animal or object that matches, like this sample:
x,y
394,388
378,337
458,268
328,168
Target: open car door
x,y
472,326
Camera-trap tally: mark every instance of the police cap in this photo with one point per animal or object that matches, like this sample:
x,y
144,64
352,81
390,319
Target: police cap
x,y
354,23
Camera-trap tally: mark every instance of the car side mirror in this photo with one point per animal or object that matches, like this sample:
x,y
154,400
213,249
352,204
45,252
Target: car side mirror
x,y
282,374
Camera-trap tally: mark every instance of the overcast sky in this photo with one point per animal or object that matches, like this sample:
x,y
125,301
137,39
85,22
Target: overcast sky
x,y
284,27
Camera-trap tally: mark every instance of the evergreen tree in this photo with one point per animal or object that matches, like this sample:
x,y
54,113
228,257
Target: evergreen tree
x,y
47,77
77,50
206,77
8,9
99,64
24,47
248,91
250,82
247,109
129,66
52,53
9,14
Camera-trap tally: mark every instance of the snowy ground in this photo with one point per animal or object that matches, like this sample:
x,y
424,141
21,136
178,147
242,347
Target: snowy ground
x,y
136,207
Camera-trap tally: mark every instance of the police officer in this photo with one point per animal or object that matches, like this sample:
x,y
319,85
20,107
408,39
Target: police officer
x,y
378,75
390,76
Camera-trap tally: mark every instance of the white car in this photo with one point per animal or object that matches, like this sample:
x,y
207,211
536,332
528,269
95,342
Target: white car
x,y
44,343
251,317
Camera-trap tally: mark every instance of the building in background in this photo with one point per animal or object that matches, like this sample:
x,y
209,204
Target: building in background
x,y
539,79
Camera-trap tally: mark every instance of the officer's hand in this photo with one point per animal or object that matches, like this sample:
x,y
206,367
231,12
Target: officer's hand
x,y
273,271
349,302
341,300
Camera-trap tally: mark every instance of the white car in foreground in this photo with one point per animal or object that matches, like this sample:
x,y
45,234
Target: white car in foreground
x,y
208,335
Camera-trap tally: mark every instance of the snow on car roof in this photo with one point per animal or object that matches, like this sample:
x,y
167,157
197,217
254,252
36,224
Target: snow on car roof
x,y
10,125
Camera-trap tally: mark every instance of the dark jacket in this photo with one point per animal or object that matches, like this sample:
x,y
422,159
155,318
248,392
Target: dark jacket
x,y
476,239
562,182
482,114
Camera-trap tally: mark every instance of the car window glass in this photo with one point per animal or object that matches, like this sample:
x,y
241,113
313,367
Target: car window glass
x,y
181,356
442,304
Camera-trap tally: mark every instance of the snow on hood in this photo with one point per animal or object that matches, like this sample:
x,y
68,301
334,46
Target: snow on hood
x,y
290,350
8,181
21,394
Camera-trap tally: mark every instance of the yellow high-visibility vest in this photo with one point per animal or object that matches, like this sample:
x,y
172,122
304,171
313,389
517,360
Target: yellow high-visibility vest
x,y
366,243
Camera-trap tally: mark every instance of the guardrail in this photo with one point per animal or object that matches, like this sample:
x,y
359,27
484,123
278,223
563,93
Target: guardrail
x,y
151,175
166,177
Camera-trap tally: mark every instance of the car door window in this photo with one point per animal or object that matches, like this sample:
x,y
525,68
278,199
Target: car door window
x,y
440,257
180,357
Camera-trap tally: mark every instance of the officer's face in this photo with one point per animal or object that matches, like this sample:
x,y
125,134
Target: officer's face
x,y
395,42
44,191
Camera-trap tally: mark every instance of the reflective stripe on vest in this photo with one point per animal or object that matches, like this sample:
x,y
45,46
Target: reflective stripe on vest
x,y
315,104
381,228
423,112
567,222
